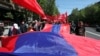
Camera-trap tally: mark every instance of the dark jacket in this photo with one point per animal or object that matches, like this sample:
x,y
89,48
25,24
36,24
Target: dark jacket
x,y
23,28
1,30
14,32
80,31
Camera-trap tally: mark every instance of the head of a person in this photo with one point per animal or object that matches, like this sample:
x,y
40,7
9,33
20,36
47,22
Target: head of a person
x,y
1,24
15,25
80,23
36,21
22,22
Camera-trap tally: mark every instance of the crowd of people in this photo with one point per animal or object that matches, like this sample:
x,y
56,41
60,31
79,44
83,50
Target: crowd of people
x,y
21,28
78,28
36,25
1,28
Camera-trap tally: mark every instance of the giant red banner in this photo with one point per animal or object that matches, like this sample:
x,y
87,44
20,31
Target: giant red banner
x,y
31,5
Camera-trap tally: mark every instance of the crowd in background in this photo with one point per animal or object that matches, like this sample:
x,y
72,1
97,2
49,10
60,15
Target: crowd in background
x,y
1,28
22,27
36,25
77,28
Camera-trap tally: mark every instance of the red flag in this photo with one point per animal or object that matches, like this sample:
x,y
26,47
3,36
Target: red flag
x,y
73,45
62,18
53,18
49,19
31,5
66,16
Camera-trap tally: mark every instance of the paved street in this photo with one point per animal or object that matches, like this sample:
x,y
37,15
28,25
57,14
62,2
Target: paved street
x,y
92,33
5,32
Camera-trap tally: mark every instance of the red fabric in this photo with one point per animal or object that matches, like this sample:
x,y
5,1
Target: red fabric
x,y
57,18
66,16
50,19
31,5
84,46
62,18
47,28
8,43
65,28
4,49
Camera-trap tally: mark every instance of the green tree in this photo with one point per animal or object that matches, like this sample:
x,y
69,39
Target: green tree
x,y
74,15
89,14
49,7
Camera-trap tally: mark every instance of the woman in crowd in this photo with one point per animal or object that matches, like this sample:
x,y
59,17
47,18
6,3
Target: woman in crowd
x,y
14,30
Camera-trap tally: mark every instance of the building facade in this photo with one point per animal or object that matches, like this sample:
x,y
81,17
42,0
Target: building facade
x,y
10,12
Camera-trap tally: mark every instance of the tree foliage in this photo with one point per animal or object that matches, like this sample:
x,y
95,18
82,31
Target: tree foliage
x,y
89,14
49,7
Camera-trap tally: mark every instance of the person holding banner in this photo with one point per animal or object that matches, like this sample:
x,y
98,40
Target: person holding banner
x,y
80,29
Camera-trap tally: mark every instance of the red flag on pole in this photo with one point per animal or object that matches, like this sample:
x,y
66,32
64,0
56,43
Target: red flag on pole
x,y
31,5
66,17
62,18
